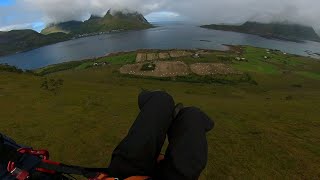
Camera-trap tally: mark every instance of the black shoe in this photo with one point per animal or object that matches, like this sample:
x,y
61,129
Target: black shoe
x,y
177,110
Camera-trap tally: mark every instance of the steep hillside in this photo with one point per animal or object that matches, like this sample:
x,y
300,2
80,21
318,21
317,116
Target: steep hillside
x,y
290,32
95,24
65,27
22,40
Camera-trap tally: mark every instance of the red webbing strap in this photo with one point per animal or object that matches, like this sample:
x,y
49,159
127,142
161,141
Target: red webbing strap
x,y
106,177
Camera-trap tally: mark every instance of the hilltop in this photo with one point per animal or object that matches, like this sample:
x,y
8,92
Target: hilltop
x,y
282,31
117,21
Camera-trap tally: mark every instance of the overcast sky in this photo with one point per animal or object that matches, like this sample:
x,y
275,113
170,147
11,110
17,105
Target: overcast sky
x,y
17,14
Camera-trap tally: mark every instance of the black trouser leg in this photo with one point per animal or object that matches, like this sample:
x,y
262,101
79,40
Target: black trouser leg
x,y
137,153
186,155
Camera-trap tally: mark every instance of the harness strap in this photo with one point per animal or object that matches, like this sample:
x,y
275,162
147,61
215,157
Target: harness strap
x,y
54,167
138,178
25,161
8,153
106,177
98,174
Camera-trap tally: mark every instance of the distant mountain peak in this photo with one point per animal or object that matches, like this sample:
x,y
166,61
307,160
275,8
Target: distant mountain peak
x,y
130,14
108,12
92,17
113,20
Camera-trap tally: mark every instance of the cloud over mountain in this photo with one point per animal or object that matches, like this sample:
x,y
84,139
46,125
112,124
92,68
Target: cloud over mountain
x,y
202,11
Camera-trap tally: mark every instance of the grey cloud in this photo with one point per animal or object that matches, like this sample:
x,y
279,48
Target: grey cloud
x,y
200,11
17,26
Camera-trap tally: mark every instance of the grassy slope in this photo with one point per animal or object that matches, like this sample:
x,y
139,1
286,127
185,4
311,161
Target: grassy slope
x,y
65,26
53,29
259,133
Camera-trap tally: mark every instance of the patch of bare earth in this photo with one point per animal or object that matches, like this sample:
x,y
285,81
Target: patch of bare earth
x,y
177,53
164,55
203,69
203,52
236,49
162,69
152,56
141,57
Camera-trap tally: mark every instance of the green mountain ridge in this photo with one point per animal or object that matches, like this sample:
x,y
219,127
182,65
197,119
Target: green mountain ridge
x,y
96,24
23,40
282,31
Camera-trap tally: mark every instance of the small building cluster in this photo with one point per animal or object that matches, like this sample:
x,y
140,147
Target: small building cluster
x,y
196,56
241,59
100,63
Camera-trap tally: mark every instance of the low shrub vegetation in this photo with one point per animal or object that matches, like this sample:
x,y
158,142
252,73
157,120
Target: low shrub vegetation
x,y
8,68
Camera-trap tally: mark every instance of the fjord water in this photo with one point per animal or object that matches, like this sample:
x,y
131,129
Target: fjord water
x,y
168,36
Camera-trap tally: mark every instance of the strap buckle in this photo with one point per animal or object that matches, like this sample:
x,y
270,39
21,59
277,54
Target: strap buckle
x,y
20,174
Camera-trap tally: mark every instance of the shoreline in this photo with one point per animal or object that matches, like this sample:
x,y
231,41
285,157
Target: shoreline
x,y
75,37
230,48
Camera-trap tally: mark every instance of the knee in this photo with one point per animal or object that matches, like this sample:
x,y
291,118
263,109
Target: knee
x,y
194,117
161,98
164,96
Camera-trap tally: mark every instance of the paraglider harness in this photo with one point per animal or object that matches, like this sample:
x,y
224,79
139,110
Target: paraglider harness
x,y
24,163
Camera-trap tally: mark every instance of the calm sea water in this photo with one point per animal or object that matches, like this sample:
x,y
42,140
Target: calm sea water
x,y
163,37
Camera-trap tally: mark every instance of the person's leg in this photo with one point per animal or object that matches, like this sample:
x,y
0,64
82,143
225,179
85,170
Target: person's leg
x,y
186,155
137,153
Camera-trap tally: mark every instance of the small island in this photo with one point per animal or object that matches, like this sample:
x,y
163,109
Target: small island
x,y
280,31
